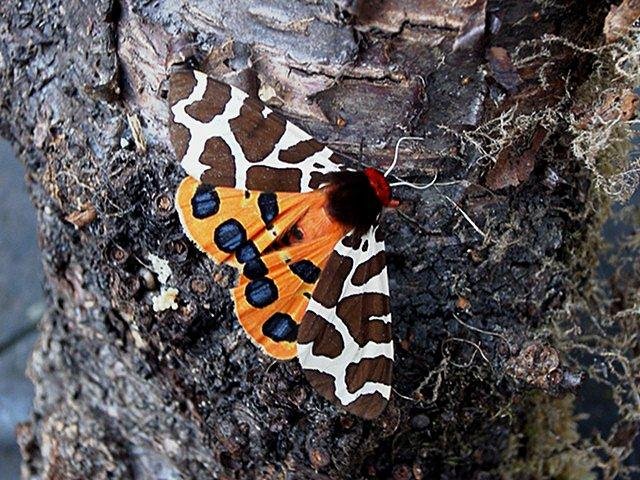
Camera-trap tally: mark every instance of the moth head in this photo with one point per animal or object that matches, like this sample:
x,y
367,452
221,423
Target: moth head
x,y
380,186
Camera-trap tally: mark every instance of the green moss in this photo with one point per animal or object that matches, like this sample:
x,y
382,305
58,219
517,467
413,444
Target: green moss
x,y
548,447
602,136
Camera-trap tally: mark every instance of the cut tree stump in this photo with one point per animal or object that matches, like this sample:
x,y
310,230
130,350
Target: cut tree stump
x,y
476,262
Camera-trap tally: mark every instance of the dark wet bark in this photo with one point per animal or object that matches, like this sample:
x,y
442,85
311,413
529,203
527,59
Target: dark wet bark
x,y
127,392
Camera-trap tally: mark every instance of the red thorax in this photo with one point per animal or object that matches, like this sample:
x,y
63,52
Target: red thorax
x,y
380,186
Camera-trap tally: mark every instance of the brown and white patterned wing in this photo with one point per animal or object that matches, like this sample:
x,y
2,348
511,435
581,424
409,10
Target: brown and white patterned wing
x,y
224,138
345,345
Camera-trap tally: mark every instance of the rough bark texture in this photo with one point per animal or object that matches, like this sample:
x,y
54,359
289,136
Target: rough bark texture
x,y
124,391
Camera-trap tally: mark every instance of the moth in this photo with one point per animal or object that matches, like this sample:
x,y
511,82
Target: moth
x,y
264,196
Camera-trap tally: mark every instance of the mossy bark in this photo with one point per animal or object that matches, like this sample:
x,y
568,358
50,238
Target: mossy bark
x,y
475,266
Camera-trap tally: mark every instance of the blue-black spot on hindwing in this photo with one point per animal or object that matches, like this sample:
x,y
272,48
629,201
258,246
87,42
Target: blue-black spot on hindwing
x,y
306,270
229,235
280,328
247,252
261,292
255,269
205,202
268,204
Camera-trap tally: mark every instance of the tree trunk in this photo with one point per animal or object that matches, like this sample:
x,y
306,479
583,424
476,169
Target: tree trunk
x,y
477,263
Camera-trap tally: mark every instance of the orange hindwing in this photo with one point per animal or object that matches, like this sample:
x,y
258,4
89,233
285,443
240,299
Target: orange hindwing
x,y
280,242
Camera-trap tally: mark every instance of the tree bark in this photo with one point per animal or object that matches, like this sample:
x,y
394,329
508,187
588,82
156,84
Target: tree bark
x,y
476,263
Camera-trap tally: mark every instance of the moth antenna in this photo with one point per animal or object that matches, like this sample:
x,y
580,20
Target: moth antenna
x,y
413,185
395,156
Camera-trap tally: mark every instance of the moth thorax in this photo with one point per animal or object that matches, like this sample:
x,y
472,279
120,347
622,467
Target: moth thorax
x,y
380,185
352,200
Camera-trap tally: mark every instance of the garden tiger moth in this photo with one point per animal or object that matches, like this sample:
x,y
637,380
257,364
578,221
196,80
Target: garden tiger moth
x,y
266,197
